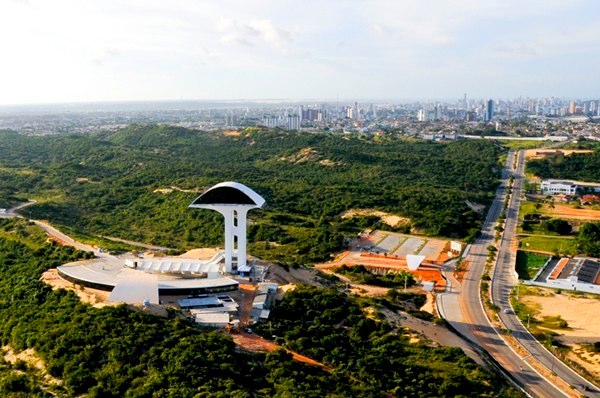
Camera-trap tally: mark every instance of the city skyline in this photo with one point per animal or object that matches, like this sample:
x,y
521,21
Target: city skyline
x,y
69,51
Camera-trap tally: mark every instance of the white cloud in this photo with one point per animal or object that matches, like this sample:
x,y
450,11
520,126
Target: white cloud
x,y
255,32
66,50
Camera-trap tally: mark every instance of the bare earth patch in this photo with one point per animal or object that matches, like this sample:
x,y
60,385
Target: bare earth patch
x,y
94,297
580,313
564,211
174,188
530,153
390,219
584,357
308,154
200,254
30,357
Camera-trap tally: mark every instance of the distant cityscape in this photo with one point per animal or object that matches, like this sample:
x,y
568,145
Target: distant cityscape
x,y
520,117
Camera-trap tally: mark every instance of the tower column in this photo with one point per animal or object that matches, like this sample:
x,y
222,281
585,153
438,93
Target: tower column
x,y
229,232
241,236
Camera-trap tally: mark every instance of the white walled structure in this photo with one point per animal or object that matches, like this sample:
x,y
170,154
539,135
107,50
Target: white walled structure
x,y
559,187
233,200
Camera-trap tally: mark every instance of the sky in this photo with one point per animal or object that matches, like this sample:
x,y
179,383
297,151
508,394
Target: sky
x,y
55,51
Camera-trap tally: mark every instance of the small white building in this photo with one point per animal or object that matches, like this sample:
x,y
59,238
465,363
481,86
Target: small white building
x,y
214,320
554,187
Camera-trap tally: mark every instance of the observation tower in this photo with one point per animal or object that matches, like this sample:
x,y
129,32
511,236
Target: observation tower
x,y
233,200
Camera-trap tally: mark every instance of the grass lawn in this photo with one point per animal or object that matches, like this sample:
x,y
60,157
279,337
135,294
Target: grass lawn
x,y
549,244
528,264
527,207
524,144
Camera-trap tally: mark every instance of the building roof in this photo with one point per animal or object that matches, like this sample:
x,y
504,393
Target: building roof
x,y
556,182
210,301
178,264
585,269
211,318
229,193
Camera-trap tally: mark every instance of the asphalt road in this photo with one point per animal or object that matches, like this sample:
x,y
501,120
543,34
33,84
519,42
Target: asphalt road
x,y
504,281
461,306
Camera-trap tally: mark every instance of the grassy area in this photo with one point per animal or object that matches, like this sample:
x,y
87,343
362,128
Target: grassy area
x,y
528,144
528,207
105,244
528,264
550,244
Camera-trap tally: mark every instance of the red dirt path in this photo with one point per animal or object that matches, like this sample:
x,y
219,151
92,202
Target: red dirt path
x,y
253,342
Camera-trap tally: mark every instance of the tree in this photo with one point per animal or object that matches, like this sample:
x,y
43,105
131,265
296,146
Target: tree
x,y
588,239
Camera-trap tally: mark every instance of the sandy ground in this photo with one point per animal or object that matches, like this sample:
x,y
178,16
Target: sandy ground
x,y
564,211
582,315
530,153
94,297
390,219
200,254
30,357
477,207
231,133
586,358
174,188
437,333
294,275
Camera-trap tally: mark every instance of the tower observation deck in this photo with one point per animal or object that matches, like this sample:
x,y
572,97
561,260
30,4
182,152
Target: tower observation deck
x,y
233,200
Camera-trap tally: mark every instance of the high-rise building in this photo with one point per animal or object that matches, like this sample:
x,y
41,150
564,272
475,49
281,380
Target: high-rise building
x,y
572,108
489,111
293,122
301,111
270,121
422,115
350,112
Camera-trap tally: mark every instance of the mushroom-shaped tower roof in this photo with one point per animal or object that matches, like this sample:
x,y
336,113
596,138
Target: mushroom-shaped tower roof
x,y
229,193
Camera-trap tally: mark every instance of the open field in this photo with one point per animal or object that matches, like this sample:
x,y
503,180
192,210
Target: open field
x,y
582,323
580,313
567,212
532,153
548,244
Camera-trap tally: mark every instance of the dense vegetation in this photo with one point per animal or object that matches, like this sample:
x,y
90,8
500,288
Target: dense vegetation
x,y
588,239
528,264
104,184
116,352
331,327
577,166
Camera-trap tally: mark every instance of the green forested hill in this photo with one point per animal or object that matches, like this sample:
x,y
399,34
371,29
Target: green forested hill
x,y
116,352
104,184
